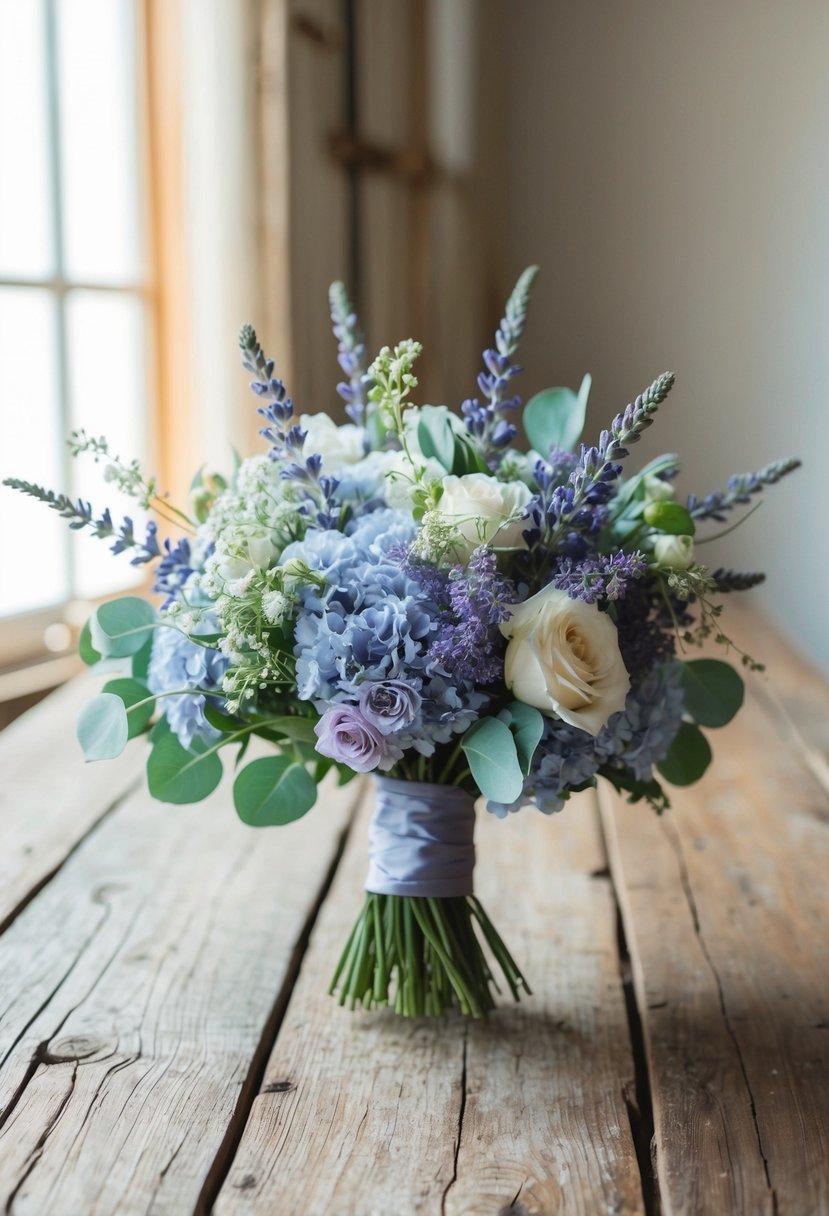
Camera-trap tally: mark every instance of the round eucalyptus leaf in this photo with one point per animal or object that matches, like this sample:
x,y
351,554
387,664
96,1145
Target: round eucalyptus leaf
x,y
131,692
555,417
121,627
714,691
102,727
688,758
86,650
177,774
492,756
527,726
273,791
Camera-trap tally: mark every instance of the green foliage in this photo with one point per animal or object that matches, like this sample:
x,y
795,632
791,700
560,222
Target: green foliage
x,y
180,775
492,755
670,517
102,728
273,791
441,438
555,417
122,627
86,650
131,692
714,691
141,660
527,726
688,758
623,780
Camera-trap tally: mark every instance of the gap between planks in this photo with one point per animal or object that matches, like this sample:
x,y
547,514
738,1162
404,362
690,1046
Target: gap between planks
x,y
372,1113
142,990
725,909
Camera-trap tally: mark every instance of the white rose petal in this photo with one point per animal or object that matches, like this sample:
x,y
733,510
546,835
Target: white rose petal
x,y
337,445
657,490
676,552
563,658
484,510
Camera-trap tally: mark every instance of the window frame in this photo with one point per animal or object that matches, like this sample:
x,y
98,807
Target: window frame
x,y
22,641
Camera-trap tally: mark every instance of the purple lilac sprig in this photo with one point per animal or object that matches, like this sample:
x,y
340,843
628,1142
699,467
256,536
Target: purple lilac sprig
x,y
601,576
484,416
740,489
351,355
287,438
468,644
81,515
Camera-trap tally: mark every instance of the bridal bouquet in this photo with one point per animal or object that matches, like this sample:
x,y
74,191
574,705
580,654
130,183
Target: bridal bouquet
x,y
413,595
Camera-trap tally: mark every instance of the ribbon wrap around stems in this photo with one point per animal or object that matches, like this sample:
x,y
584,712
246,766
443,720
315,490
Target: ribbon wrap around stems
x,y
421,840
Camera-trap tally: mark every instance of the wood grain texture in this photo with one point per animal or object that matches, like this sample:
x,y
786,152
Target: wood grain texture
x,y
49,797
136,991
373,1114
726,912
545,1127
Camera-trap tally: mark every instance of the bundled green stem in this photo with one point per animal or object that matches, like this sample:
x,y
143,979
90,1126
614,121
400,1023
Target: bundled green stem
x,y
422,956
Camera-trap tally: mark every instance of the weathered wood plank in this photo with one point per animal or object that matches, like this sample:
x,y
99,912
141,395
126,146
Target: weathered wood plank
x,y
371,1113
545,1127
726,911
136,991
49,798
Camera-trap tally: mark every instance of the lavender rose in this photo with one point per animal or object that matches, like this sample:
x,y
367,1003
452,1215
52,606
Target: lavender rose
x,y
389,704
345,735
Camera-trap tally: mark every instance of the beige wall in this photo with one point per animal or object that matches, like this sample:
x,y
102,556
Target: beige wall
x,y
668,166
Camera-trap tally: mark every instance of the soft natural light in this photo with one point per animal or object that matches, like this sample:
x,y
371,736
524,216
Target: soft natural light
x,y
25,223
32,542
99,139
73,304
107,391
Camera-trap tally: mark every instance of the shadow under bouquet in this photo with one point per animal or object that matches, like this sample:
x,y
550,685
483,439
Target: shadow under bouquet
x,y
412,595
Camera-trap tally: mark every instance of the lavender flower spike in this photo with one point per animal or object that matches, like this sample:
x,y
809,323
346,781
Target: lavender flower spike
x,y
352,355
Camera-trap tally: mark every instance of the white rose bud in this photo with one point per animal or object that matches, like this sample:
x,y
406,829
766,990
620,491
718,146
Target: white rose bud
x,y
677,552
484,510
657,490
337,445
563,658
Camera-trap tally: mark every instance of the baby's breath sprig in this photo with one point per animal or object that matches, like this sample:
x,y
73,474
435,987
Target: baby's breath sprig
x,y
127,477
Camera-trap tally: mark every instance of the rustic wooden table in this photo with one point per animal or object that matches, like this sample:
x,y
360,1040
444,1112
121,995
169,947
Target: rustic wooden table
x,y
166,1044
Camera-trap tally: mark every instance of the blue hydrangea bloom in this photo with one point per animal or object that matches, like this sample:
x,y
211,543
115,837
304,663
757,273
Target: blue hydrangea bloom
x,y
637,738
177,662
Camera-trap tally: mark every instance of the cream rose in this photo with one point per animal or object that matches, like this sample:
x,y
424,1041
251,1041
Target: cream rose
x,y
337,445
563,658
484,510
676,552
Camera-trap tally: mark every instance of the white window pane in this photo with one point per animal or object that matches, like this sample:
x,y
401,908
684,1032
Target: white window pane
x,y
33,545
97,87
25,220
107,387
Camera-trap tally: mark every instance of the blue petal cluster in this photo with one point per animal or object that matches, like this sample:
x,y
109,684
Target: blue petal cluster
x,y
373,620
636,738
176,663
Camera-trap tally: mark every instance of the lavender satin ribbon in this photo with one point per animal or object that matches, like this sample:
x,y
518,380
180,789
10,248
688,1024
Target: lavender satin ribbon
x,y
421,840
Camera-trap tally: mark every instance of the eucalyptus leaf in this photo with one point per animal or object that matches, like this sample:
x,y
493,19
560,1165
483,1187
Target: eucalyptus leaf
x,y
121,627
527,726
177,774
273,791
141,660
131,692
714,691
222,722
86,650
102,728
555,417
301,730
688,757
492,756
